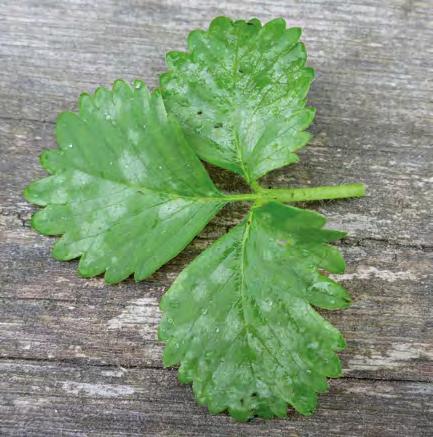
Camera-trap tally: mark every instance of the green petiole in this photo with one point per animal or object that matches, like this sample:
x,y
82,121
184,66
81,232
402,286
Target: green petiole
x,y
304,194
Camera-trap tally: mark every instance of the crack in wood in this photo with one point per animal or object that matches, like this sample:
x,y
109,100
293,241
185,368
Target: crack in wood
x,y
82,364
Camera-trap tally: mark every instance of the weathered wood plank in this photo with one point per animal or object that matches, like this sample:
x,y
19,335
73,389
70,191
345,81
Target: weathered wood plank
x,y
374,124
365,48
55,314
387,328
51,399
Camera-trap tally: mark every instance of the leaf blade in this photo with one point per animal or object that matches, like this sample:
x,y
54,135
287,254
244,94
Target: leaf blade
x,y
240,320
123,182
237,91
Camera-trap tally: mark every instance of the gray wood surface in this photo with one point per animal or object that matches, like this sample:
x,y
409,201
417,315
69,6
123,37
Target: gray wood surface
x,y
78,357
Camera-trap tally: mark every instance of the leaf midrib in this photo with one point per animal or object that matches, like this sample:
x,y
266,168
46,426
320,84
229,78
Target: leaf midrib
x,y
249,328
173,196
235,77
236,141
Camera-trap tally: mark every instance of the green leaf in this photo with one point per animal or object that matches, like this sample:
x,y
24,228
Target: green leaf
x,y
239,319
239,93
126,190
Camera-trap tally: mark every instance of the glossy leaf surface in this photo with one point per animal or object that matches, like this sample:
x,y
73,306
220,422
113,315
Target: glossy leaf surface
x,y
239,319
126,190
239,93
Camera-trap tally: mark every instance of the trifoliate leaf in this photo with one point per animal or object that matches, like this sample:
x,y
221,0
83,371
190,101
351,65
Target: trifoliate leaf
x,y
239,93
126,190
240,322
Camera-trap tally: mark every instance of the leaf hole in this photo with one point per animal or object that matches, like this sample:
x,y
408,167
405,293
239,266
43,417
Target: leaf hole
x,y
199,112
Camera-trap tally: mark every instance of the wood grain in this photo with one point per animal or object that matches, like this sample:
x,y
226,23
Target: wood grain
x,y
40,398
78,357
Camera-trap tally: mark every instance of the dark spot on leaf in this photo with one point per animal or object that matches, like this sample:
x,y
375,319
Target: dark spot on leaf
x,y
218,125
199,112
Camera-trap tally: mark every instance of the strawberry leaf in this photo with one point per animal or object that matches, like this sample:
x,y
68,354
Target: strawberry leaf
x,y
239,319
239,93
126,190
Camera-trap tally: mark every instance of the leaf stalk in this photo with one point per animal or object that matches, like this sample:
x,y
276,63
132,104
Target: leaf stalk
x,y
304,194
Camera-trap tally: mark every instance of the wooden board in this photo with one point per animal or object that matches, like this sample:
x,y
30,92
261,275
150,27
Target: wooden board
x,y
78,357
43,398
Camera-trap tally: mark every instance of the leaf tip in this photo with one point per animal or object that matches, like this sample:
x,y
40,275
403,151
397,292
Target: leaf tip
x,y
194,38
46,161
39,223
254,22
84,102
279,23
59,251
33,195
138,84
138,277
174,59
220,23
